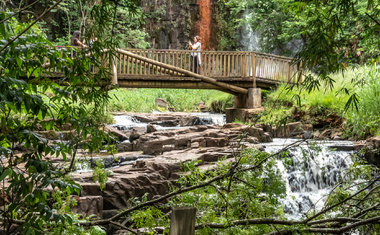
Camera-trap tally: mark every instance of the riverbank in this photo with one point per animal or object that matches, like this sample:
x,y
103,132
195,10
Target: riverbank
x,y
351,107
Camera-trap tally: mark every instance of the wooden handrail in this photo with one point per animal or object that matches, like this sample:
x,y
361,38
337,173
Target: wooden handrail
x,y
186,72
215,64
214,67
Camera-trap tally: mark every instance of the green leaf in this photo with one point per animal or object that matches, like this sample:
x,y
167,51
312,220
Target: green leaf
x,y
5,173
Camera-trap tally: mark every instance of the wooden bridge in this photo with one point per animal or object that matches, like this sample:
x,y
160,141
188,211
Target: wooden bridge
x,y
229,71
242,73
136,68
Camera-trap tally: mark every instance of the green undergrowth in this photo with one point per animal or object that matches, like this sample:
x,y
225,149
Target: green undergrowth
x,y
327,107
143,100
253,189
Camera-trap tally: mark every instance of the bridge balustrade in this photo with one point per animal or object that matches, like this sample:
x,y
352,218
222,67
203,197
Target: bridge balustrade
x,y
221,65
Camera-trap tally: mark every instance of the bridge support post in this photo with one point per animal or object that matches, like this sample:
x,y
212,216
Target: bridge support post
x,y
248,101
245,105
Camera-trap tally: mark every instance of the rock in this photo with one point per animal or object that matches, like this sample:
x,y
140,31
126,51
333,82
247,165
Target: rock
x,y
202,107
168,147
215,142
109,213
125,146
134,135
266,138
89,205
90,188
162,103
307,127
372,156
336,135
120,135
308,135
200,140
370,150
253,140
325,134
289,130
255,132
316,134
167,123
373,142
187,120
143,119
231,125
194,145
150,128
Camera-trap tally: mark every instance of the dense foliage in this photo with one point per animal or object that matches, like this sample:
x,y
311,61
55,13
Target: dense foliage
x,y
35,195
319,105
72,15
32,104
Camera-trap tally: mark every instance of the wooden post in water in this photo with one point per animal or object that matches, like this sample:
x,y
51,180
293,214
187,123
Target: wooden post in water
x,y
182,221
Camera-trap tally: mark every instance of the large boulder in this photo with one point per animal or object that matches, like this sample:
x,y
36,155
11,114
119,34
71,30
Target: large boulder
x,y
89,205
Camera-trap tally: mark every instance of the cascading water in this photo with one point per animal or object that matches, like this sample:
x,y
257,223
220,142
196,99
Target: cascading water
x,y
249,39
126,122
311,173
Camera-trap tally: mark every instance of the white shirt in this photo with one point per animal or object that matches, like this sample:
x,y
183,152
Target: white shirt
x,y
196,53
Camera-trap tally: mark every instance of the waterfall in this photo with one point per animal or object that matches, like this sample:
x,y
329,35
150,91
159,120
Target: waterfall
x,y
312,173
249,39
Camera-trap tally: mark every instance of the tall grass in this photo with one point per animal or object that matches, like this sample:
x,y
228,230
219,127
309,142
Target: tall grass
x,y
366,120
323,98
363,81
143,100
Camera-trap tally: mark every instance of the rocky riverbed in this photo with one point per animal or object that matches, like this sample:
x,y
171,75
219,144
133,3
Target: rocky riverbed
x,y
152,148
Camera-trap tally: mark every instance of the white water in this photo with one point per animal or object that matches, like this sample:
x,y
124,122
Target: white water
x,y
129,122
312,173
214,118
248,38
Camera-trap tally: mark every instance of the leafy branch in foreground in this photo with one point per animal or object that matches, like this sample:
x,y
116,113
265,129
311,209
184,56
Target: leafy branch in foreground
x,y
244,196
32,103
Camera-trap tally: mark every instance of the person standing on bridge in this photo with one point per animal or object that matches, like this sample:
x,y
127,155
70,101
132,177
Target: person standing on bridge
x,y
75,40
196,56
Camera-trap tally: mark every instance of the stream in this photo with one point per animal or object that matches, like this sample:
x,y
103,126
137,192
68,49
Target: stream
x,y
313,168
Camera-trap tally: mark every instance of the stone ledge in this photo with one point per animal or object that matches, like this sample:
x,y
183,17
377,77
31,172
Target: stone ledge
x,y
241,114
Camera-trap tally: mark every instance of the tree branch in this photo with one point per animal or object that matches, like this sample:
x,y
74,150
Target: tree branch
x,y
33,23
343,201
123,227
248,222
363,212
374,20
19,11
345,228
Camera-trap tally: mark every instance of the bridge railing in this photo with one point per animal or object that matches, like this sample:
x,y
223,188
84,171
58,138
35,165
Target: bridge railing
x,y
222,65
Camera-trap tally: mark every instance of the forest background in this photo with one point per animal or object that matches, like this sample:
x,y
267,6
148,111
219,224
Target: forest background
x,y
335,35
